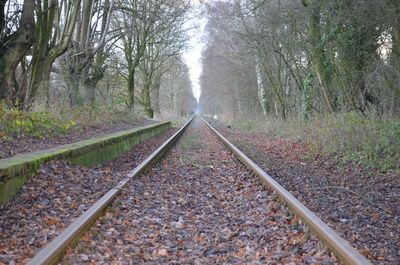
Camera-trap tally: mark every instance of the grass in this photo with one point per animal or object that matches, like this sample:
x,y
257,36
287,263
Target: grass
x,y
366,140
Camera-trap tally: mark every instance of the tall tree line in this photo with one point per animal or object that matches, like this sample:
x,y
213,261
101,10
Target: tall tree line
x,y
301,58
77,52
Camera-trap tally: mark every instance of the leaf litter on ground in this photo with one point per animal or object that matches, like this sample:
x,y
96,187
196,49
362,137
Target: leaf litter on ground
x,y
198,207
56,196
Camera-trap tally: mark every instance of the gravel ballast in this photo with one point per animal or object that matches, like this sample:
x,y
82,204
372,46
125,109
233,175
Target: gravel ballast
x,y
198,206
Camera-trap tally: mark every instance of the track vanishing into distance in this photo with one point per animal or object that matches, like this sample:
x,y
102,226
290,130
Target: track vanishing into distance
x,y
198,200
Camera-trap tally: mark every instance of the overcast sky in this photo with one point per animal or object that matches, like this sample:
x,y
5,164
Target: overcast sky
x,y
193,55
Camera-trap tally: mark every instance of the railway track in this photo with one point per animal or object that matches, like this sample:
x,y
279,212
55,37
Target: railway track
x,y
197,206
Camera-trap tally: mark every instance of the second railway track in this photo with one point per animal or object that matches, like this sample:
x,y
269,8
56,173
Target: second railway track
x,y
199,206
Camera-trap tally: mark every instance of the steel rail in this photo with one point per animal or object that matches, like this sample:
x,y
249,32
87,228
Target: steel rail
x,y
53,252
344,251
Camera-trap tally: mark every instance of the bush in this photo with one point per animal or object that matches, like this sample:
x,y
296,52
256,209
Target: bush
x,y
15,123
367,140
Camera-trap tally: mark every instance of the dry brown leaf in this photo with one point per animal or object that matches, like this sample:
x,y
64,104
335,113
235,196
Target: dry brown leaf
x,y
52,221
130,238
162,252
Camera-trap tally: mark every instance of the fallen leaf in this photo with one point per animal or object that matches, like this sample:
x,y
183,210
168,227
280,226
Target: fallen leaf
x,y
129,238
53,221
162,252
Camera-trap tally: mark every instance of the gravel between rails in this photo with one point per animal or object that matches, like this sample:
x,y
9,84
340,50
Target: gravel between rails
x,y
58,194
198,207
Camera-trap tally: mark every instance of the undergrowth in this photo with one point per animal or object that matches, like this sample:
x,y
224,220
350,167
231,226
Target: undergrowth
x,y
16,123
366,140
370,141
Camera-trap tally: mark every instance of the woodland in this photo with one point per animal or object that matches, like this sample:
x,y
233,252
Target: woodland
x,y
123,54
302,58
323,71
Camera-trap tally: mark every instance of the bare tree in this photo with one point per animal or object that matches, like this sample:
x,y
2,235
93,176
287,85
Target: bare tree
x,y
84,63
254,33
176,96
152,32
55,27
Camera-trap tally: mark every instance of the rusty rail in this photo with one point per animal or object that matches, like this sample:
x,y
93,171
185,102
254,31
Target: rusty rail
x,y
344,251
53,252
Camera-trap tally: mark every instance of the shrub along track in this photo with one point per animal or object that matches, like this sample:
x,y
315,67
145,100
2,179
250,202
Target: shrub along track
x,y
198,206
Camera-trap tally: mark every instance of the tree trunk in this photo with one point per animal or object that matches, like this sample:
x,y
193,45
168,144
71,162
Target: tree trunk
x,y
44,29
277,88
262,93
319,55
85,27
146,103
239,104
131,87
156,93
146,100
97,65
133,63
13,48
395,53
40,77
90,83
